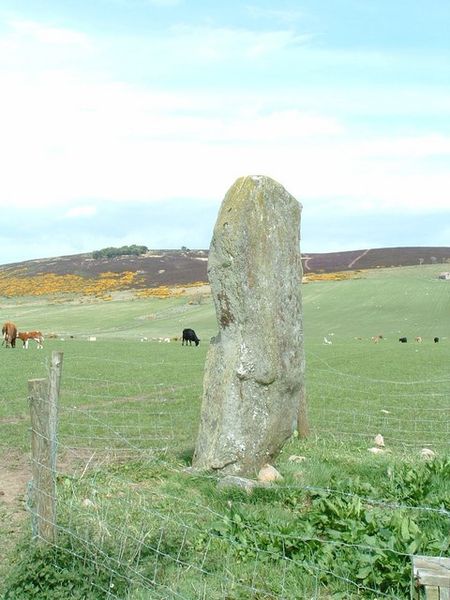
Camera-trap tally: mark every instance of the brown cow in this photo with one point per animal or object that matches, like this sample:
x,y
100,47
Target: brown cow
x,y
26,336
9,332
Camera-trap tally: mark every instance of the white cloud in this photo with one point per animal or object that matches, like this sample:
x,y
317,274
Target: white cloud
x,y
81,211
162,2
271,14
68,138
219,44
140,3
65,140
422,146
45,34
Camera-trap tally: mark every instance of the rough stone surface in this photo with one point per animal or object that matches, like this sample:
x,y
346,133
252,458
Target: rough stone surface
x,y
231,481
254,373
268,473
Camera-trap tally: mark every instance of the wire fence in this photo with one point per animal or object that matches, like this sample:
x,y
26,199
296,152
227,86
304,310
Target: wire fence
x,y
342,523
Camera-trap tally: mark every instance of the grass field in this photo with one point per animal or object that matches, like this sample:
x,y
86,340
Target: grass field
x,y
134,525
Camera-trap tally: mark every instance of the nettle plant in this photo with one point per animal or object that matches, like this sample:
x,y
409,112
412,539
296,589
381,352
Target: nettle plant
x,y
348,532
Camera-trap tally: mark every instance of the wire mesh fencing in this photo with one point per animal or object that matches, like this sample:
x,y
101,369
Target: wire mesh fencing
x,y
343,522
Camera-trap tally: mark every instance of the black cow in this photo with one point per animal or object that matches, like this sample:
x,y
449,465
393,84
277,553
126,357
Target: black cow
x,y
403,340
436,339
190,336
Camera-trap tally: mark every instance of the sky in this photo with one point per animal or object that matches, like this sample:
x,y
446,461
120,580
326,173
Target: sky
x,y
126,121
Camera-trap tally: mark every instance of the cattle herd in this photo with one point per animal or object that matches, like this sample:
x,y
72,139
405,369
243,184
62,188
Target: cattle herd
x,y
10,335
377,338
403,340
417,339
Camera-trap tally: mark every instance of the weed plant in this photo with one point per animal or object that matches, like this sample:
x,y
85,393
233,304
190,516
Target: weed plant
x,y
150,530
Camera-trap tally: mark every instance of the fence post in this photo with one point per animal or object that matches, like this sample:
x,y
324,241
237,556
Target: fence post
x,y
53,395
302,421
43,397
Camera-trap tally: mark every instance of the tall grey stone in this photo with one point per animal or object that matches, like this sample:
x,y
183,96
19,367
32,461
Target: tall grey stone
x,y
253,384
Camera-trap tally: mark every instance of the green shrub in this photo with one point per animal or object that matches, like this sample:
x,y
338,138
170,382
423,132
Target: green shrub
x,y
63,573
341,534
421,485
112,252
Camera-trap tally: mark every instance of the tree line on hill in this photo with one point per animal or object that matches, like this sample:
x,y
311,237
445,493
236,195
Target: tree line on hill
x,y
111,252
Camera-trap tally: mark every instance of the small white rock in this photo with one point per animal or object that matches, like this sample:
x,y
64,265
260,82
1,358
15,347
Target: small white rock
x,y
376,450
427,453
268,473
238,482
87,502
296,458
379,441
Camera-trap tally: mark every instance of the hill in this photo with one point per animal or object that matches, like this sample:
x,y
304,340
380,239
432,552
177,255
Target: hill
x,y
371,258
159,268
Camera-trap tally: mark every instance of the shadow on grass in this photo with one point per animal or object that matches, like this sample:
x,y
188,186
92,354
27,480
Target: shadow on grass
x,y
187,455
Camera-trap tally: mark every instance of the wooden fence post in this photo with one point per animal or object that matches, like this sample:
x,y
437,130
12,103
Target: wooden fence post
x,y
53,394
43,397
430,574
302,421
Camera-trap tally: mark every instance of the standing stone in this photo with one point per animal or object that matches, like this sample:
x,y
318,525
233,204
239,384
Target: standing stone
x,y
254,373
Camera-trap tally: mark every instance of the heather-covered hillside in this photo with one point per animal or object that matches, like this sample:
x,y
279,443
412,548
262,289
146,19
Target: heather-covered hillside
x,y
157,268
373,258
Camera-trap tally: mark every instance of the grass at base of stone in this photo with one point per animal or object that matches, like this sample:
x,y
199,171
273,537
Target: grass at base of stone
x,y
334,527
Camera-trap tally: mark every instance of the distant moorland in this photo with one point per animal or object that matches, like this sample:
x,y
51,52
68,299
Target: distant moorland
x,y
159,268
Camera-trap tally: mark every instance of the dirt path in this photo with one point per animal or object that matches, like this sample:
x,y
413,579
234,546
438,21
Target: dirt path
x,y
358,258
15,473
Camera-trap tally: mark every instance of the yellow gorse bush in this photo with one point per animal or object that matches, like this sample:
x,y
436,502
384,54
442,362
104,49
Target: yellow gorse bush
x,y
16,283
163,291
338,276
45,284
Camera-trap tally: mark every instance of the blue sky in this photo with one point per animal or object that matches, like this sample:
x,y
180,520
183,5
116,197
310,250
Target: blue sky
x,y
126,121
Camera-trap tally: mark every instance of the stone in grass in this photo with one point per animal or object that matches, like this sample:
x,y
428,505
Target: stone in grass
x,y
427,453
296,458
253,386
232,481
268,474
379,441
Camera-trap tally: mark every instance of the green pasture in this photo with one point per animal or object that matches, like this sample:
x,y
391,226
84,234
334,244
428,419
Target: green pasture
x,y
355,388
130,406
